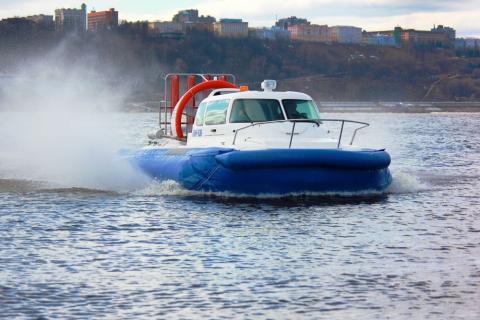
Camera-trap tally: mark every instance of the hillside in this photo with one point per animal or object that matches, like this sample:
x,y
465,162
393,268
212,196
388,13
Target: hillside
x,y
327,71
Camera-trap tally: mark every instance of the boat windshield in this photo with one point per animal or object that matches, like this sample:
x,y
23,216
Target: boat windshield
x,y
300,109
256,110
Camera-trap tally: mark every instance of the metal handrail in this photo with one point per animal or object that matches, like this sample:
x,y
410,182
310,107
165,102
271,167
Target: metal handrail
x,y
364,125
317,122
201,75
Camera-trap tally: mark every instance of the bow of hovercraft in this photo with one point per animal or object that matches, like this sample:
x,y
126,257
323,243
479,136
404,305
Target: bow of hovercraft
x,y
275,171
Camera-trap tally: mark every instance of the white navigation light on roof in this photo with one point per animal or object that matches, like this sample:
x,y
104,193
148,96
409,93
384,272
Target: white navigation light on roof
x,y
269,85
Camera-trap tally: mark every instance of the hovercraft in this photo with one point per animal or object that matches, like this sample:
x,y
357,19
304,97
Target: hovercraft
x,y
255,142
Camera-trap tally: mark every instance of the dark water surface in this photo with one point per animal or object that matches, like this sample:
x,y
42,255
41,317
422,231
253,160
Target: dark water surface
x,y
67,251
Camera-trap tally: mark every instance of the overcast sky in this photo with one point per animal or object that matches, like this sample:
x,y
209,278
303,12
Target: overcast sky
x,y
463,15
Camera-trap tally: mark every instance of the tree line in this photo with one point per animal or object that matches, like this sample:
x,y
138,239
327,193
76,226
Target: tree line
x,y
131,53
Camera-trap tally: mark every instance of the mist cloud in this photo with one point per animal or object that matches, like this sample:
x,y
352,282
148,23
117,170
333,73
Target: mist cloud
x,y
60,127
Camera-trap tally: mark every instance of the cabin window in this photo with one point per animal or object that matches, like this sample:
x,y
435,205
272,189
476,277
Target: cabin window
x,y
256,110
200,116
216,112
300,109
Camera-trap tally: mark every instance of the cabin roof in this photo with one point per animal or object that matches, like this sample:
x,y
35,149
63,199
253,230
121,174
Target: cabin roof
x,y
278,95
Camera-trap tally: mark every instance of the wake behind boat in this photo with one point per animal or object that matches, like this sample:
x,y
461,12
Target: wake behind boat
x,y
255,142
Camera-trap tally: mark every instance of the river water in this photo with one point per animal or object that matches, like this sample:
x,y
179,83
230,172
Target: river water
x,y
74,246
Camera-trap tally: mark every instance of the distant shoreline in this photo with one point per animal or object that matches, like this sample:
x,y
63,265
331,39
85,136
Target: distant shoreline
x,y
401,107
363,107
403,110
335,107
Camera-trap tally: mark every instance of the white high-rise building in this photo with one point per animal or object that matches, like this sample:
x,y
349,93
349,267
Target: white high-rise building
x,y
233,28
71,19
345,34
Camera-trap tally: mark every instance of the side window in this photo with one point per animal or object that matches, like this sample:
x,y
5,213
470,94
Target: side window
x,y
200,116
216,112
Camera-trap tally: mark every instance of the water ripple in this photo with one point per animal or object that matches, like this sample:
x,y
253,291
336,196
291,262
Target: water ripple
x,y
413,253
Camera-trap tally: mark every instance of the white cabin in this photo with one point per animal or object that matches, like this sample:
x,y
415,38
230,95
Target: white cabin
x,y
259,120
252,120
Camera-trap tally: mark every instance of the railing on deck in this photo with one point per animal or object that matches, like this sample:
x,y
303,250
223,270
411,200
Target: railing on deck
x,y
316,122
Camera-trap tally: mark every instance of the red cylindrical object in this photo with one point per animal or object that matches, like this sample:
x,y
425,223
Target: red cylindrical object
x,y
191,103
208,77
174,91
190,85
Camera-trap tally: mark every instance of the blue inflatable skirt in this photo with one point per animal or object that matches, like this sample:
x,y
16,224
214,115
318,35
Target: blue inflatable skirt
x,y
269,171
